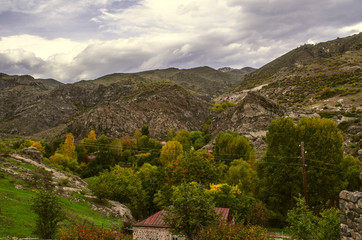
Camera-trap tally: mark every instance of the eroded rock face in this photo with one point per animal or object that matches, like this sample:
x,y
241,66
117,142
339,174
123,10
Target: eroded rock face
x,y
162,109
250,117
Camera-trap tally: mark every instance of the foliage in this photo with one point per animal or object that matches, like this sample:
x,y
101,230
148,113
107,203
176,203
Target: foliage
x,y
305,225
145,130
3,146
38,146
68,147
241,173
229,146
351,169
64,163
152,179
120,184
231,197
91,232
46,205
280,168
92,135
192,210
323,153
170,151
194,166
220,107
183,137
233,232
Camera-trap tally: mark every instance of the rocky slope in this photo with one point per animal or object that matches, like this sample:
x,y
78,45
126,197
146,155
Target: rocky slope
x,y
323,80
250,117
163,107
27,166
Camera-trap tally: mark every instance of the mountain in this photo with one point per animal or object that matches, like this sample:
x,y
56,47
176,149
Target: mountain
x,y
303,55
115,104
312,80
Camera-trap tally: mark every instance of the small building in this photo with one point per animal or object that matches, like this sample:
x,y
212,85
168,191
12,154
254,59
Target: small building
x,y
154,227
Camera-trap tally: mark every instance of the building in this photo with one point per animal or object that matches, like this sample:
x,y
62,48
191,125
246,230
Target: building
x,y
154,227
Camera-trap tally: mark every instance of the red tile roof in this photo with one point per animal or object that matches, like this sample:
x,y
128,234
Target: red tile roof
x,y
156,220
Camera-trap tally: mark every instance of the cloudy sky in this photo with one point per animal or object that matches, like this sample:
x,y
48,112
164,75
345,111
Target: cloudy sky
x,y
70,40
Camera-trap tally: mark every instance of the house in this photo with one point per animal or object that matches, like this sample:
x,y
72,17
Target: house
x,y
154,227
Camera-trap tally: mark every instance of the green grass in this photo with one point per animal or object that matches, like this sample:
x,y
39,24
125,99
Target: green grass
x,y
18,220
16,217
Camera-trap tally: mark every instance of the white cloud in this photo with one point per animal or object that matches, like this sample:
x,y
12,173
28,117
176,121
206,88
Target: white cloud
x,y
74,40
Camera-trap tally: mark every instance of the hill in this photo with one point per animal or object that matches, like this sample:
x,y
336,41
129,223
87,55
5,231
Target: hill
x,y
314,80
23,174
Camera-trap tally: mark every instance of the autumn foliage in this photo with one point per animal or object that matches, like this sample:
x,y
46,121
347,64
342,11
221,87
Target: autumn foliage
x,y
92,232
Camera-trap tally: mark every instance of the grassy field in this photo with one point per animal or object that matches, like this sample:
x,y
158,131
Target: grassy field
x,y
17,219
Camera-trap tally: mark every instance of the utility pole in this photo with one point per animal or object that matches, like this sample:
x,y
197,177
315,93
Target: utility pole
x,y
304,174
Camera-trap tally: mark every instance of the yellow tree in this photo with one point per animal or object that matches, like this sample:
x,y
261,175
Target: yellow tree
x,y
170,152
38,146
68,147
92,135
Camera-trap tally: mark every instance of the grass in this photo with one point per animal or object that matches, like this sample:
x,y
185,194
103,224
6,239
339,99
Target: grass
x,y
16,217
18,220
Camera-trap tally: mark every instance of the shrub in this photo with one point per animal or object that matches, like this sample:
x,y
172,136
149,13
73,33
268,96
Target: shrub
x,y
49,211
304,225
233,232
90,232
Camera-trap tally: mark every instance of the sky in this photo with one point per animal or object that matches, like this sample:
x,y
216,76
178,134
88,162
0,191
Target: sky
x,y
72,40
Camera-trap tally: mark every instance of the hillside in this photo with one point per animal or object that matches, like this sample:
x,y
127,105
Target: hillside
x,y
314,80
23,174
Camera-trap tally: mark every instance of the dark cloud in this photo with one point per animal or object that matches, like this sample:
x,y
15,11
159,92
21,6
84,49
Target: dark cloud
x,y
132,36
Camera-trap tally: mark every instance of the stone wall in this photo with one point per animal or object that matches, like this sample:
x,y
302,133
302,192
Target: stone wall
x,y
153,233
350,204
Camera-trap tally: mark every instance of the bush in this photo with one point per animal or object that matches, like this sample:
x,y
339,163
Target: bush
x,y
63,162
304,225
90,232
233,232
49,211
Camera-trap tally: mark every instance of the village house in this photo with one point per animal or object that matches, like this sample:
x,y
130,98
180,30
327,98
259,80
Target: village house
x,y
154,227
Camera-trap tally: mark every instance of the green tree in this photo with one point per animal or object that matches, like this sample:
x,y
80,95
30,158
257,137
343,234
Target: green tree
x,y
195,166
230,146
192,210
145,130
241,173
231,197
351,172
280,169
152,179
170,152
64,162
324,154
304,225
49,213
183,137
123,185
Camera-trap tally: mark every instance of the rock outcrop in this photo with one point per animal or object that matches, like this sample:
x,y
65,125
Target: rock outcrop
x,y
250,117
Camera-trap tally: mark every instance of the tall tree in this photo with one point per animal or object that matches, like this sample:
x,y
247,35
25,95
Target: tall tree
x,y
229,146
280,169
195,166
49,213
68,147
170,152
192,210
